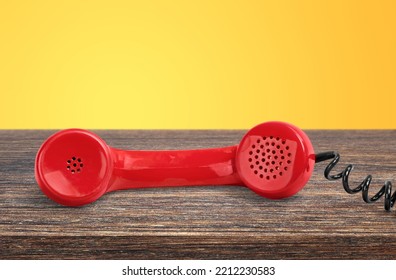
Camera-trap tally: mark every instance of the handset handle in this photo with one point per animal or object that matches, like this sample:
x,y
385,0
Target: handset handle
x,y
171,168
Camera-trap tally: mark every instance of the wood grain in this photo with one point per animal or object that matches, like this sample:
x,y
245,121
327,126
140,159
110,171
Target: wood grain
x,y
320,222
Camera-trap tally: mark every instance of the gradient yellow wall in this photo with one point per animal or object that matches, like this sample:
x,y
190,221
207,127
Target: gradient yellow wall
x,y
197,64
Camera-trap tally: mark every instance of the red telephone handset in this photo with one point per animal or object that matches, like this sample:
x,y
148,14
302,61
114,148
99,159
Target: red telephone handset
x,y
75,167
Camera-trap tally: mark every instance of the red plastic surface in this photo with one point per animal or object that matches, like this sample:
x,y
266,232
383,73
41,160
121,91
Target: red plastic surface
x,y
275,159
75,167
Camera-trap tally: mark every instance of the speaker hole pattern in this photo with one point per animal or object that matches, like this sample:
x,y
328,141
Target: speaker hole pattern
x,y
74,165
270,157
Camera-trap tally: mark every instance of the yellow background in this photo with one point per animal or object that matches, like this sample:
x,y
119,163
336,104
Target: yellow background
x,y
197,64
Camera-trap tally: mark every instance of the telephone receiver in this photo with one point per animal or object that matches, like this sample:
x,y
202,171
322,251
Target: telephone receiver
x,y
274,159
76,167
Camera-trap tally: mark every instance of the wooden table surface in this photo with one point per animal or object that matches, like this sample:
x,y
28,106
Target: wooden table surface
x,y
320,222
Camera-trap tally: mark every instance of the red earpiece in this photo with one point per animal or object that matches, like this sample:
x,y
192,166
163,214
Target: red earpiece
x,y
75,167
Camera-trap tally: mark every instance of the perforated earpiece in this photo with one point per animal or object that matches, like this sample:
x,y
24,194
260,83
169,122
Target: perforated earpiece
x,y
275,159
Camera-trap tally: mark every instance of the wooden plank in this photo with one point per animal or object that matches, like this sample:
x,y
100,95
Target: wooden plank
x,y
321,221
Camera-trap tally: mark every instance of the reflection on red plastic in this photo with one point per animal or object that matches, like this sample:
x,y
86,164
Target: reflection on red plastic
x,y
75,167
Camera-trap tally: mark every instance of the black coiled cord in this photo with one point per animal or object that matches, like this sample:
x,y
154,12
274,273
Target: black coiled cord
x,y
385,191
